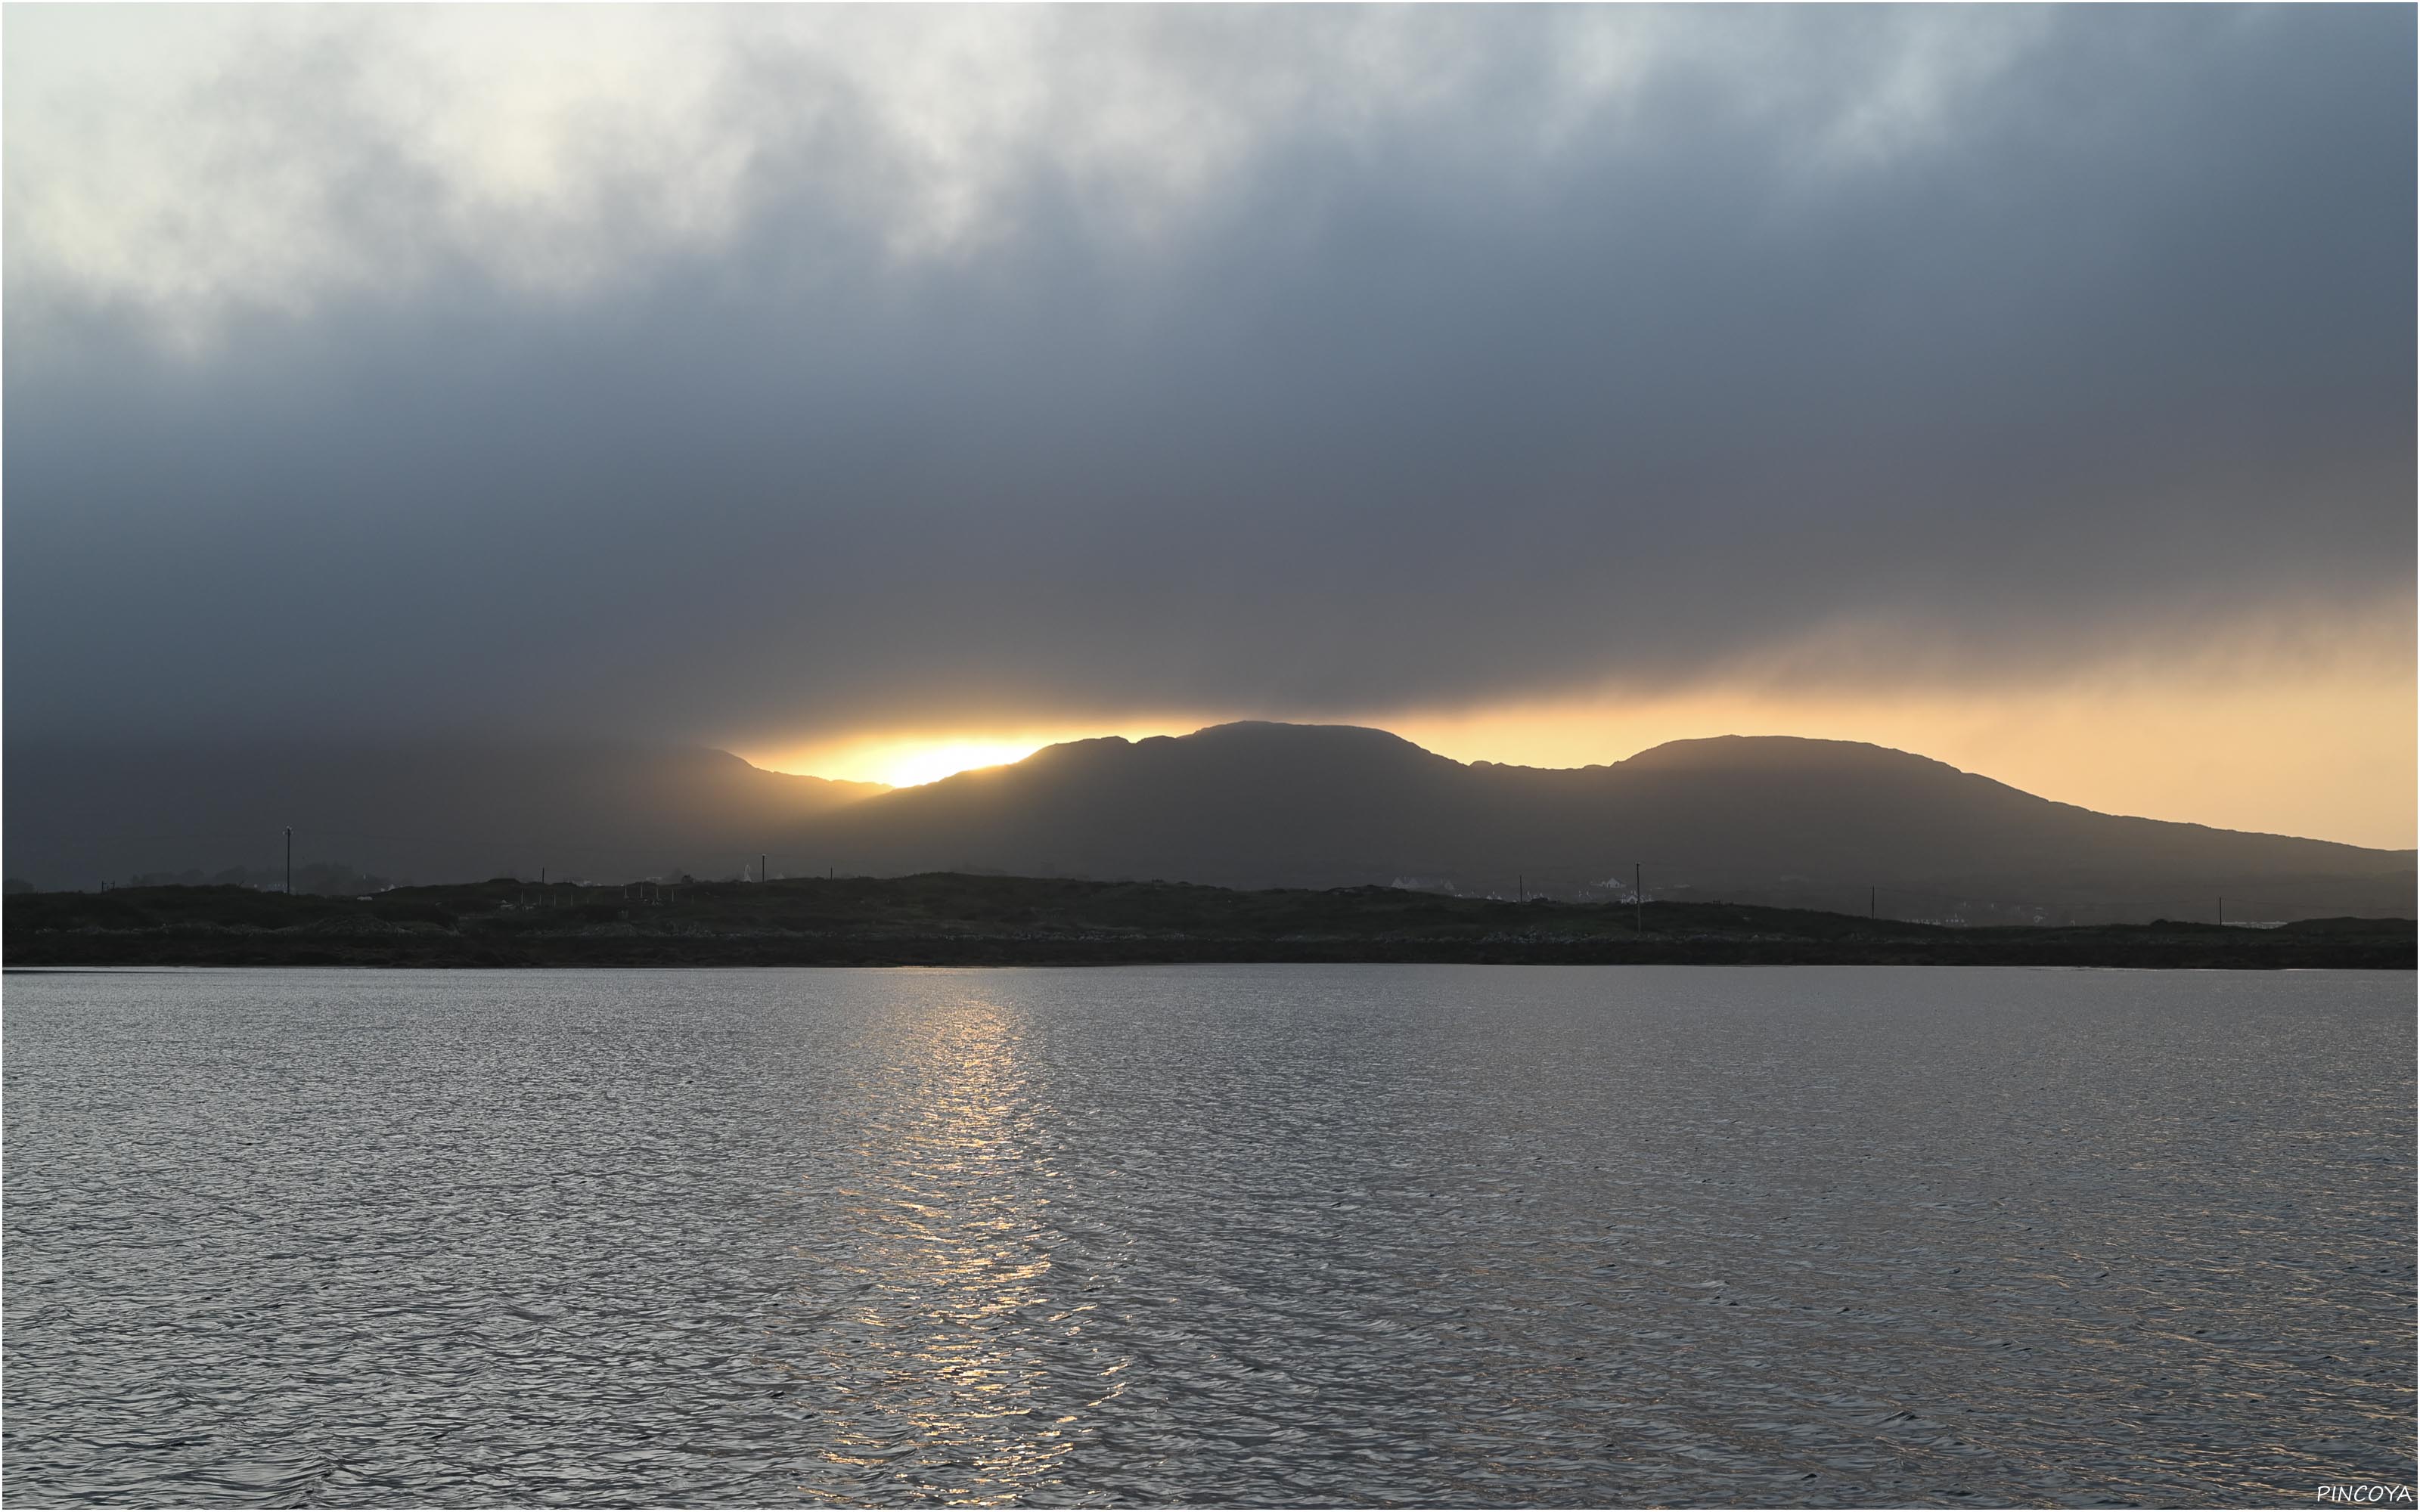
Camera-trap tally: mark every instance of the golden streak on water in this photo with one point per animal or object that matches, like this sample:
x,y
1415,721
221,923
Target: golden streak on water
x,y
954,1232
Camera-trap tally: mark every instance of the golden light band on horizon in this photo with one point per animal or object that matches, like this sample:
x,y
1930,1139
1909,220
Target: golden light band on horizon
x,y
909,763
2329,754
913,759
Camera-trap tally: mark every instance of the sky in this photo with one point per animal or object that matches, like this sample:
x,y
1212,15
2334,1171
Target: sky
x,y
875,390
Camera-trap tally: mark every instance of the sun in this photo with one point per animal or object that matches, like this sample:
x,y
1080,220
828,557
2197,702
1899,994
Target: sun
x,y
913,764
913,759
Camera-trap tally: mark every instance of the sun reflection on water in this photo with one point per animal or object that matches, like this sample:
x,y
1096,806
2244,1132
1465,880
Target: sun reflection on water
x,y
929,1320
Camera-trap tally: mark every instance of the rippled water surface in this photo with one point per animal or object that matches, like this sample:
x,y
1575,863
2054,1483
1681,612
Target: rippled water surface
x,y
1468,1236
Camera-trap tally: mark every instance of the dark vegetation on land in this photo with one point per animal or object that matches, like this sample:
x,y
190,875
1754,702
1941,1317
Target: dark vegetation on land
x,y
944,919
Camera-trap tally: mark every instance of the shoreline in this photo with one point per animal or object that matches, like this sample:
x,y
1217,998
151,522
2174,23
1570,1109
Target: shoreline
x,y
956,920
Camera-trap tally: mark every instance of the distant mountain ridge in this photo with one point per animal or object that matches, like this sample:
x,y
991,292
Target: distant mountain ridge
x,y
1777,819
1782,820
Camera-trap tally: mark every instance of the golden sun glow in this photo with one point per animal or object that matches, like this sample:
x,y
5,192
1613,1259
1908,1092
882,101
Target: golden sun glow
x,y
907,761
912,763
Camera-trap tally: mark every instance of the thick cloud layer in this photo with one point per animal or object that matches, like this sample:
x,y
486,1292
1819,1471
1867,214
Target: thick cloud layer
x,y
744,373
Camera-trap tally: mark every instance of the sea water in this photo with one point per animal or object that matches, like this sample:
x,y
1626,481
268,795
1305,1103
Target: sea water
x,y
1474,1236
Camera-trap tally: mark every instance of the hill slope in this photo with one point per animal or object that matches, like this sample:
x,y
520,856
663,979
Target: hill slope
x,y
78,816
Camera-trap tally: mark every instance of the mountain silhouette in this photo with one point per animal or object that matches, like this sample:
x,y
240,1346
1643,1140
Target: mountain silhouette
x,y
1772,819
1821,824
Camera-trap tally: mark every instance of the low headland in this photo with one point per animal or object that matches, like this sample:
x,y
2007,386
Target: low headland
x,y
953,919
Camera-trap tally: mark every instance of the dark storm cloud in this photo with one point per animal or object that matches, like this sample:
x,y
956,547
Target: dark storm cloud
x,y
2037,339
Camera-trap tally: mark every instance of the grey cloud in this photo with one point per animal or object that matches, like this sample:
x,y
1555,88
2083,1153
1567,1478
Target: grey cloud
x,y
2005,339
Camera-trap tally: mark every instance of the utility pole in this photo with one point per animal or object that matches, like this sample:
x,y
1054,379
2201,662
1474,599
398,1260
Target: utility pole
x,y
290,860
1520,888
1871,893
1638,897
2222,910
762,874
